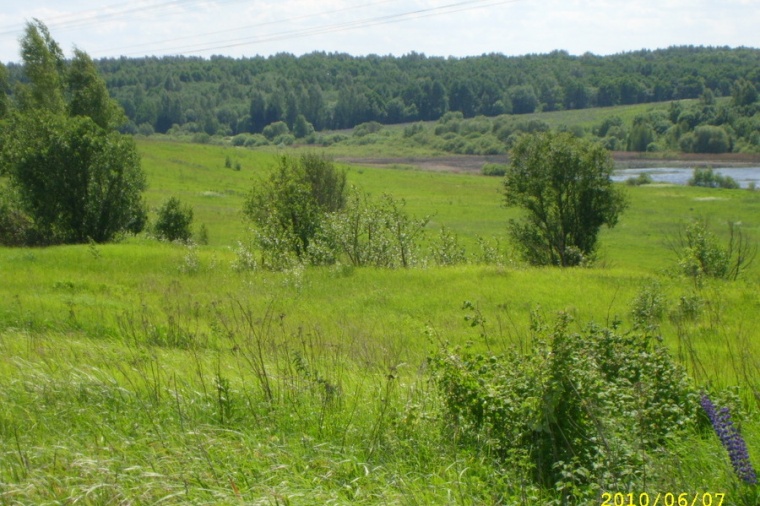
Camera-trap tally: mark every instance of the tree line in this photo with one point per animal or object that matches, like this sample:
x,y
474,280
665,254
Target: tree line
x,y
227,96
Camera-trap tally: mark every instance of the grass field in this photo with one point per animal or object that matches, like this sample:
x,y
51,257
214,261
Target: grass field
x,y
144,372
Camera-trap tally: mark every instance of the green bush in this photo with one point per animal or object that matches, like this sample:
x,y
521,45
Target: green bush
x,y
639,180
578,412
289,209
174,221
700,255
276,129
494,169
711,179
374,232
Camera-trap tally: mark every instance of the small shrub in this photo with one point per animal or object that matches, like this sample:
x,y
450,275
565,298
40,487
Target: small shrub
x,y
365,129
447,250
710,179
276,129
174,221
374,232
639,180
244,259
700,255
494,169
201,138
649,306
202,235
413,129
191,263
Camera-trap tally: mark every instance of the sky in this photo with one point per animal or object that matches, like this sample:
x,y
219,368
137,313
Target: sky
x,y
237,28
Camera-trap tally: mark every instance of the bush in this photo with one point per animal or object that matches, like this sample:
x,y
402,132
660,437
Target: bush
x,y
378,233
708,139
365,129
494,169
446,250
16,228
289,209
639,180
578,412
711,179
174,221
276,129
700,255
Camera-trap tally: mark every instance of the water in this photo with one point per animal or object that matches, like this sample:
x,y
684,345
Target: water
x,y
743,175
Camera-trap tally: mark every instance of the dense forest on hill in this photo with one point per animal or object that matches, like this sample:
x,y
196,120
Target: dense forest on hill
x,y
226,96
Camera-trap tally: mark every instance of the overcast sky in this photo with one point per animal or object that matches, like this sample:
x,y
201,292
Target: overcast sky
x,y
112,28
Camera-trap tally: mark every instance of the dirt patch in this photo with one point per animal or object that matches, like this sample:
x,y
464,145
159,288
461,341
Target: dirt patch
x,y
457,164
471,164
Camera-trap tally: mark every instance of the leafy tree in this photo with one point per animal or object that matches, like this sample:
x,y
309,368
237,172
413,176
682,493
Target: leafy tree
x,y
174,221
89,95
44,67
564,184
641,135
302,128
3,88
710,139
75,178
524,99
744,93
275,130
289,208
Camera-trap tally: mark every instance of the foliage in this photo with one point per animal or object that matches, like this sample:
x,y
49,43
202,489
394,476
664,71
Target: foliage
x,y
74,176
74,179
288,210
639,180
564,184
174,221
711,179
372,232
700,255
494,169
579,412
649,306
447,250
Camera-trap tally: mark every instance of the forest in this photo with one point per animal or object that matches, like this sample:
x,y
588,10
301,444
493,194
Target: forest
x,y
333,91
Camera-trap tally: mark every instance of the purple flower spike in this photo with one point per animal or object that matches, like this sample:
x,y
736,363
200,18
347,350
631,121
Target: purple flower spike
x,y
731,440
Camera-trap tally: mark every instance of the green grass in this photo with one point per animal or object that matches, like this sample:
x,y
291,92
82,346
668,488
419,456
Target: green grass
x,y
145,372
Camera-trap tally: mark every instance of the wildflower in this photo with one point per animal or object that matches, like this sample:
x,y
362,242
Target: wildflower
x,y
731,439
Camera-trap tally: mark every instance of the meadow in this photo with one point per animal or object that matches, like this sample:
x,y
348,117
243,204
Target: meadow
x,y
145,372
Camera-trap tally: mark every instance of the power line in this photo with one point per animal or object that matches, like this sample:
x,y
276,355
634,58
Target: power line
x,y
331,28
81,19
125,10
248,27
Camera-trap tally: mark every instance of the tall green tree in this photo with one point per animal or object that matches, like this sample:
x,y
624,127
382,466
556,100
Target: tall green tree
x,y
88,95
45,69
76,178
3,89
564,185
288,210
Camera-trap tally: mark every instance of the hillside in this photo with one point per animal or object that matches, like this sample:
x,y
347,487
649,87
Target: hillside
x,y
229,96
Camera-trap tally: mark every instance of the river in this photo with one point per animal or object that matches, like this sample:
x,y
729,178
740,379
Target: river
x,y
743,175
